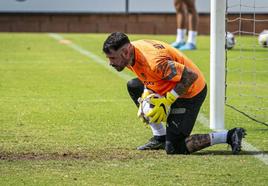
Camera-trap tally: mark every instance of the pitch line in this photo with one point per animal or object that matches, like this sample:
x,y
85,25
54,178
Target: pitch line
x,y
247,146
201,117
92,56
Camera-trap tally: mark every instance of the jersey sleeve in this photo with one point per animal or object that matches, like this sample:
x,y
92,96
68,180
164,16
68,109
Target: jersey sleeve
x,y
169,70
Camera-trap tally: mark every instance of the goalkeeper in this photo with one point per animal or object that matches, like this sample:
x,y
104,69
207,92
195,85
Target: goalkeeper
x,y
164,70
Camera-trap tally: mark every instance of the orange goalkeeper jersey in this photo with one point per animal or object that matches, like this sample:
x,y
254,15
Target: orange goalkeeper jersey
x,y
159,66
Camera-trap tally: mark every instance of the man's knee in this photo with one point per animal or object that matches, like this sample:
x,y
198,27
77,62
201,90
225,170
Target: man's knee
x,y
190,6
134,84
178,4
170,148
192,10
135,89
178,147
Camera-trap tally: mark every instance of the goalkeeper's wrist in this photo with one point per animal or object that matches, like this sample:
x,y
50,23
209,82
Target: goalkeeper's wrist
x,y
174,93
172,96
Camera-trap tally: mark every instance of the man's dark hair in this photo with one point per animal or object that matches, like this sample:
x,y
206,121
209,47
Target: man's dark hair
x,y
114,41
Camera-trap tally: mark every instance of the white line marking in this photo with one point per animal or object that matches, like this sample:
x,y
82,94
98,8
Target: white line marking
x,y
255,152
201,118
248,147
92,56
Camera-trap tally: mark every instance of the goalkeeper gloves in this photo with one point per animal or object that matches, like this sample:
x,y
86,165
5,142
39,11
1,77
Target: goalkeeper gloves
x,y
162,107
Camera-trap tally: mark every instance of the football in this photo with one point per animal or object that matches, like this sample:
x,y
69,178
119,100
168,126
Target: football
x,y
229,40
146,105
263,38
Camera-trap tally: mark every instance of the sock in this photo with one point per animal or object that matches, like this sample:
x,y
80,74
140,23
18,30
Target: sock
x,y
192,36
218,137
180,35
158,129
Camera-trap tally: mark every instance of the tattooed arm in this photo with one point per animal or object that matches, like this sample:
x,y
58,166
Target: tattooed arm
x,y
187,79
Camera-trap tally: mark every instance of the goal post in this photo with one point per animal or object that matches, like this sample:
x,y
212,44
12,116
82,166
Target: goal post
x,y
217,64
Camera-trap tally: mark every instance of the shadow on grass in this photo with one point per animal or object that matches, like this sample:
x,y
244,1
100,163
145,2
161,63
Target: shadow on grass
x,y
228,152
109,154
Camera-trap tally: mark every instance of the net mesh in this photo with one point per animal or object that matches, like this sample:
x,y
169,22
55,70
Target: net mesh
x,y
247,62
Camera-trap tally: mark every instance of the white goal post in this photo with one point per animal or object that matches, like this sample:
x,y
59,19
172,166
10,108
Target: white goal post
x,y
217,64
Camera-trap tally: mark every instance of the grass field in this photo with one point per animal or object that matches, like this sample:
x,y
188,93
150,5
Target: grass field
x,y
66,119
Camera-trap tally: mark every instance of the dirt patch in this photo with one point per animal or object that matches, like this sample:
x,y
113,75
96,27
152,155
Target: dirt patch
x,y
40,156
94,155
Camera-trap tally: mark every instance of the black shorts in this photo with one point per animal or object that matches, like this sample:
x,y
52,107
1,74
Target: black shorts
x,y
182,117
183,113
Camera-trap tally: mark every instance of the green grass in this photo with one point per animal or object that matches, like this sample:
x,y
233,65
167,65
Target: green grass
x,y
66,120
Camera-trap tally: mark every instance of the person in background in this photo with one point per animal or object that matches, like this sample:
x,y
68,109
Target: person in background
x,y
186,12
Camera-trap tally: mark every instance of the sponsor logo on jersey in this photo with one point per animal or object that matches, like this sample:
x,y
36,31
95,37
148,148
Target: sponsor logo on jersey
x,y
148,83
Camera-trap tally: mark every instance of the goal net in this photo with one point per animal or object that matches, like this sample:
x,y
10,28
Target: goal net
x,y
247,63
